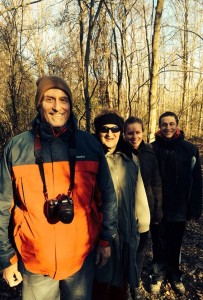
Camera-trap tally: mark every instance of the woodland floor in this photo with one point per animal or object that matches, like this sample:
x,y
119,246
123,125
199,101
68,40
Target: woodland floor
x,y
191,265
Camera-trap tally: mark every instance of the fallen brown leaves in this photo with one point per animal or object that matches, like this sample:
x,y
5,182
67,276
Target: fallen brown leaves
x,y
191,265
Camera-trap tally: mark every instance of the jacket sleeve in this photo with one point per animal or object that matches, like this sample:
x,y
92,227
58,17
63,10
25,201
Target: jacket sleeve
x,y
141,206
157,193
7,252
195,200
108,200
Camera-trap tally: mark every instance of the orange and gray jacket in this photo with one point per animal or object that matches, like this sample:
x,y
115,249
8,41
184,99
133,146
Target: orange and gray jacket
x,y
57,250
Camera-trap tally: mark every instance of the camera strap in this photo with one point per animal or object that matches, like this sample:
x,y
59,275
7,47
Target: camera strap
x,y
72,156
39,161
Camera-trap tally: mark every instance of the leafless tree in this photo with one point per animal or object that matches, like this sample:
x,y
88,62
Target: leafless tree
x,y
154,70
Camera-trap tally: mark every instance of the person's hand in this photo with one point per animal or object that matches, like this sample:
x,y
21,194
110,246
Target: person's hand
x,y
102,255
12,275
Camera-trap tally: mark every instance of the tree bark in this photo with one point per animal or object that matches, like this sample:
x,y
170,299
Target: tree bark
x,y
154,72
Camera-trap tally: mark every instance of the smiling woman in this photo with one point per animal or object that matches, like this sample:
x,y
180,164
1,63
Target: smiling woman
x,y
111,282
109,136
133,132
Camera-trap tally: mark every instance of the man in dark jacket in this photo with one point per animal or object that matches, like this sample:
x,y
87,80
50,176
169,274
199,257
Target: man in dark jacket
x,y
180,171
56,191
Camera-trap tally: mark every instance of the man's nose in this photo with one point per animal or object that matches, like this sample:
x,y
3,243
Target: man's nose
x,y
57,105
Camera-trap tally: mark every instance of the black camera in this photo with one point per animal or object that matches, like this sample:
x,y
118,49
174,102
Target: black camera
x,y
59,209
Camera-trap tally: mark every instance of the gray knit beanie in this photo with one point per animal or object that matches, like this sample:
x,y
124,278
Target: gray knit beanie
x,y
45,83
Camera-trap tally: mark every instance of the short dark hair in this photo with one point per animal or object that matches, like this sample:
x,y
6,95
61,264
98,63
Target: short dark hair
x,y
132,120
167,114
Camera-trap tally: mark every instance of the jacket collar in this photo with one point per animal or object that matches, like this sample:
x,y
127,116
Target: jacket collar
x,y
48,132
122,147
168,143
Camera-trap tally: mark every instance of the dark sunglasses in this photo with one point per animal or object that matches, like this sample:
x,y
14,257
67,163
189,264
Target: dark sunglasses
x,y
105,129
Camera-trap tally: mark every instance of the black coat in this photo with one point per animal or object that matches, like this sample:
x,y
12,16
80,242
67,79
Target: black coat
x,y
150,175
180,171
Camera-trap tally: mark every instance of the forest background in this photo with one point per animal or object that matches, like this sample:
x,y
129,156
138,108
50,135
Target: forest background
x,y
141,57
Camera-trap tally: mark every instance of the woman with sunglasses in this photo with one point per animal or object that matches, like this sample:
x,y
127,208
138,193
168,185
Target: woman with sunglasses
x,y
111,282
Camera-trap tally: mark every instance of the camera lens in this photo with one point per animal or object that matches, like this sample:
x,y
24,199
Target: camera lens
x,y
66,212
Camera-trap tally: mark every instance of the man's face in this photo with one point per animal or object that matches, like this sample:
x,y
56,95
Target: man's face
x,y
109,135
168,126
55,107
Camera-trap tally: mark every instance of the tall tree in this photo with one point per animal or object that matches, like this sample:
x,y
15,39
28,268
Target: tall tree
x,y
93,10
17,70
154,71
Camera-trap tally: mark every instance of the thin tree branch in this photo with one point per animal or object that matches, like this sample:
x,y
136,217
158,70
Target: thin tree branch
x,y
19,6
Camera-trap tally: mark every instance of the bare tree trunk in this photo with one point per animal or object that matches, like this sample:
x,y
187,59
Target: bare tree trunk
x,y
200,123
154,72
185,66
85,57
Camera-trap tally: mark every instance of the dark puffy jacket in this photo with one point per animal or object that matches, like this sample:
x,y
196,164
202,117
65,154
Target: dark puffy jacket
x,y
180,171
150,174
57,250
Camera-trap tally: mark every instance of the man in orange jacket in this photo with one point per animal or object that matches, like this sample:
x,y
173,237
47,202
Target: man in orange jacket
x,y
57,195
